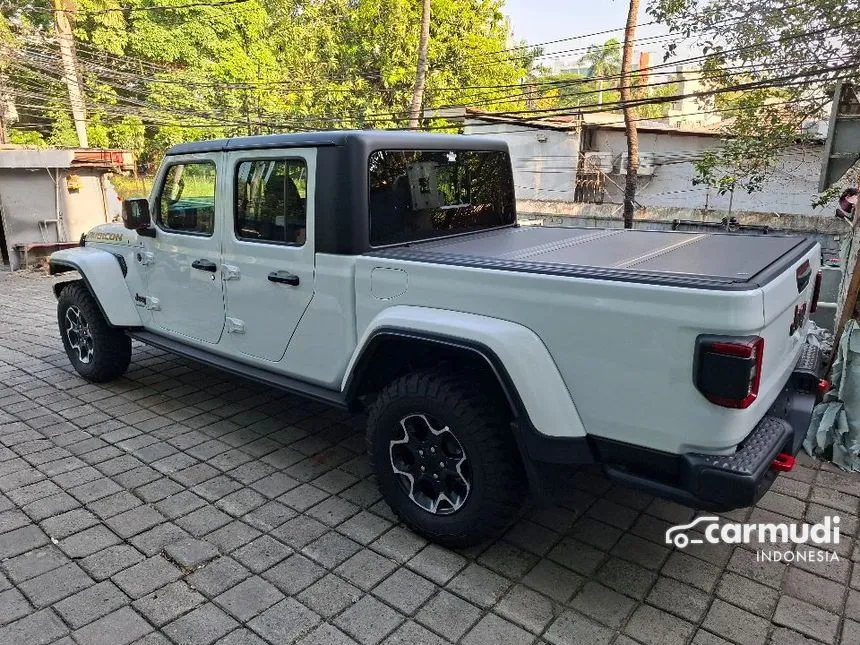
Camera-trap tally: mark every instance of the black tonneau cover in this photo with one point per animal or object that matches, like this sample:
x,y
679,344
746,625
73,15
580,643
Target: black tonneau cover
x,y
700,260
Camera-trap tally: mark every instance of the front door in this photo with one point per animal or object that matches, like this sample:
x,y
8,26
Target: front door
x,y
268,259
183,260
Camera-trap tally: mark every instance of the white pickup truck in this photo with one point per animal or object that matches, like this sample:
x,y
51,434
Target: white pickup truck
x,y
386,271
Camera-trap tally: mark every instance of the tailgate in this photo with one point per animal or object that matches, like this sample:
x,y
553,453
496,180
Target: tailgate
x,y
786,300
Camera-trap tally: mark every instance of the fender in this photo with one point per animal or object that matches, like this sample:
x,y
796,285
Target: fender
x,y
515,352
103,275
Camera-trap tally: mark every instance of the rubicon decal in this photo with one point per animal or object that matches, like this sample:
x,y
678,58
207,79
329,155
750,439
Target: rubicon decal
x,y
105,237
710,530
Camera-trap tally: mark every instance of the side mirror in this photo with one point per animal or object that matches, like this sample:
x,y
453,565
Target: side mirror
x,y
135,214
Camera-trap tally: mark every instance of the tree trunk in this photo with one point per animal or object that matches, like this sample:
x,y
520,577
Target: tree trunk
x,y
421,70
630,114
70,71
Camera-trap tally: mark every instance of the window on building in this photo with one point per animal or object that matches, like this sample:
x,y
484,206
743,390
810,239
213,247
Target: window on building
x,y
271,201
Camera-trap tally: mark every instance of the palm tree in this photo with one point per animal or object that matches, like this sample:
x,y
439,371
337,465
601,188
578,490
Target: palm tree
x,y
603,61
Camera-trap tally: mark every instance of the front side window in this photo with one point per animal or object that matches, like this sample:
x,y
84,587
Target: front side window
x,y
421,194
187,200
271,201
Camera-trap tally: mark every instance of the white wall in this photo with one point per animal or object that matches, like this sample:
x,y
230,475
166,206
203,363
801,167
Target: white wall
x,y
790,188
30,196
542,169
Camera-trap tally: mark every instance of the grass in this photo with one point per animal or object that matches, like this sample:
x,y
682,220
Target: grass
x,y
129,187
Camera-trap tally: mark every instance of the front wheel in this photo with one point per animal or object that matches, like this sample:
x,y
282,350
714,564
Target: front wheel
x,y
97,351
445,458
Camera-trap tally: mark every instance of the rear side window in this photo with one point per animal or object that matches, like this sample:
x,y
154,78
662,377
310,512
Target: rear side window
x,y
421,194
271,201
186,203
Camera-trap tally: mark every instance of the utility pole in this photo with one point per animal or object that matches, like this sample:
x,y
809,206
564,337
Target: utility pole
x,y
421,70
630,114
70,71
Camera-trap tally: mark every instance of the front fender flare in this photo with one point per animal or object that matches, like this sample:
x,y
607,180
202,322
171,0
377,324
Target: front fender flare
x,y
103,275
512,349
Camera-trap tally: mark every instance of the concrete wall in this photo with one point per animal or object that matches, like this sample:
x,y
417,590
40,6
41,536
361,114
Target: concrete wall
x,y
27,196
30,196
790,189
544,160
85,207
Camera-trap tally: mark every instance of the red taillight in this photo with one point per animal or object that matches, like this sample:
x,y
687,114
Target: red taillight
x,y
816,291
728,370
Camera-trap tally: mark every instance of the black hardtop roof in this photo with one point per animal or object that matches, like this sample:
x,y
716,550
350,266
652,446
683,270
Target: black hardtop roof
x,y
367,139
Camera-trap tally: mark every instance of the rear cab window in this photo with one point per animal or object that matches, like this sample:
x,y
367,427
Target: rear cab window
x,y
186,203
423,194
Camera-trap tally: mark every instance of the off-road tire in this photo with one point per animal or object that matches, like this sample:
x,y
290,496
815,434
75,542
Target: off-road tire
x,y
111,353
482,427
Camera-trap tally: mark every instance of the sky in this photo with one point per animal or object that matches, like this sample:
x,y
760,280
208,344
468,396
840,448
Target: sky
x,y
539,21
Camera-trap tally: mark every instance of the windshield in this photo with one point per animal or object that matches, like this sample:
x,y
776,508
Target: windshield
x,y
420,194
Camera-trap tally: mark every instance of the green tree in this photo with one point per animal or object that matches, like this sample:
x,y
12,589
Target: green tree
x,y
155,77
772,64
603,61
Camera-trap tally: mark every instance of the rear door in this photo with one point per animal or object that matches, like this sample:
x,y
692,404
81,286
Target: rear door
x,y
268,249
182,261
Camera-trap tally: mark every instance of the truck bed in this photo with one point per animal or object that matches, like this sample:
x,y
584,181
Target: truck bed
x,y
699,260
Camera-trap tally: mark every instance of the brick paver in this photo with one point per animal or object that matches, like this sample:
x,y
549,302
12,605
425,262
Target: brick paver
x,y
181,505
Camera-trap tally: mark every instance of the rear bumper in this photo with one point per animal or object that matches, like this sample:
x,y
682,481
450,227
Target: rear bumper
x,y
724,482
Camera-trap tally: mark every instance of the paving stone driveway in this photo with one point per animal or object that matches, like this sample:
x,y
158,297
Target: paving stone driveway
x,y
180,505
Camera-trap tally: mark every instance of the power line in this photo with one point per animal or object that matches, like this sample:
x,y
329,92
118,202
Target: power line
x,y
717,25
301,123
523,90
370,118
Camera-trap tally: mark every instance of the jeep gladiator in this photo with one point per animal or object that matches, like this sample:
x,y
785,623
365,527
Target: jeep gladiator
x,y
386,272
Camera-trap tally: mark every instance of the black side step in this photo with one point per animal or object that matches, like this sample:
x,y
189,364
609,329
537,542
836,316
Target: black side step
x,y
286,383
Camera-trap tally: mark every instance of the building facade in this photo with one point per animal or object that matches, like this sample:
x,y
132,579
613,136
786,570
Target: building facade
x,y
576,159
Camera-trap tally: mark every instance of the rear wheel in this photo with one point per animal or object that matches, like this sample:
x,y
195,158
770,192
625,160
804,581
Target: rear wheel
x,y
97,351
444,457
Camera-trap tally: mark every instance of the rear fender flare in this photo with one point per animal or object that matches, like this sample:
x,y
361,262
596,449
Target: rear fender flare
x,y
103,275
527,372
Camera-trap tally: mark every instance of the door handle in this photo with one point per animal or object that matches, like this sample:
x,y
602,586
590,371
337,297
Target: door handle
x,y
282,277
204,265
